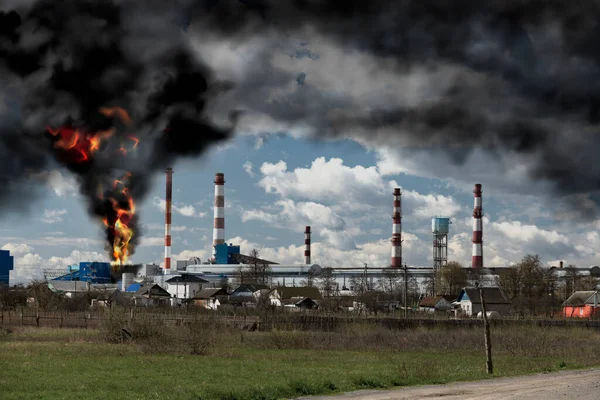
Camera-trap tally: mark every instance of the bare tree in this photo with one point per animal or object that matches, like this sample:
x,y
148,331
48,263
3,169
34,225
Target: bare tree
x,y
327,282
391,282
310,279
257,271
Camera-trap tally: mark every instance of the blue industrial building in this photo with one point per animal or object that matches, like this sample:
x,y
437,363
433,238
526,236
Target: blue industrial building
x,y
93,272
6,265
225,253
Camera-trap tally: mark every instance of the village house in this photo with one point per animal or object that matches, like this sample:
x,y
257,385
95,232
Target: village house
x,y
151,295
110,298
281,294
209,298
299,303
469,302
582,304
436,303
69,288
248,290
185,286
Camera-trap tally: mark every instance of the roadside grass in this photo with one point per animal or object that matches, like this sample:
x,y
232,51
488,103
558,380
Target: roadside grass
x,y
73,364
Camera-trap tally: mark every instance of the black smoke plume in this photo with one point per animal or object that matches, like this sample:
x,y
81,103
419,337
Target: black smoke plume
x,y
61,63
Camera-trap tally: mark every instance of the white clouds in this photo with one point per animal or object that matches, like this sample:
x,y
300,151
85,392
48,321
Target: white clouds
x,y
53,216
62,185
248,168
186,210
76,257
17,249
151,241
517,231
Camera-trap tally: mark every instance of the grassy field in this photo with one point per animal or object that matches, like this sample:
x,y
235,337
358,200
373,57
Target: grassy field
x,y
72,364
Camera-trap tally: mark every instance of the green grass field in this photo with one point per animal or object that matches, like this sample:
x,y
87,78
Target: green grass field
x,y
75,364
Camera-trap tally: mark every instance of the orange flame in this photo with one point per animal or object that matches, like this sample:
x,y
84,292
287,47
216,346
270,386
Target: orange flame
x,y
118,112
122,232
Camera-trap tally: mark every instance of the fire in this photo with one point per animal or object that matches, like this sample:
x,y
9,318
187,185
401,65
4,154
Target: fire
x,y
81,145
118,207
120,226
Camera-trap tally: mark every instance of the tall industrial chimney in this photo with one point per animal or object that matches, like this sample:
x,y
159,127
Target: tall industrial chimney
x,y
219,222
477,260
168,207
397,230
307,245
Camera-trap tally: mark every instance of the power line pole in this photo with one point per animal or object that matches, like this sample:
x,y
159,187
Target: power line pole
x,y
489,366
405,293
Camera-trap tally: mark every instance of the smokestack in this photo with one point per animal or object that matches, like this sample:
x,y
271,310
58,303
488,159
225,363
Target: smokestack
x,y
477,259
219,222
397,230
307,245
168,207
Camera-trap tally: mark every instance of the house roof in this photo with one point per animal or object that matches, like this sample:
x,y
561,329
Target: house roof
x,y
431,301
249,288
581,298
68,286
492,295
186,278
287,292
297,301
152,290
209,293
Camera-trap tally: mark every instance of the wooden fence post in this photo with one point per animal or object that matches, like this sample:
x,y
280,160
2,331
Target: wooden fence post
x,y
37,318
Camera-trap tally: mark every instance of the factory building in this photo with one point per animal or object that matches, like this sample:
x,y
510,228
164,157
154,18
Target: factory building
x,y
6,266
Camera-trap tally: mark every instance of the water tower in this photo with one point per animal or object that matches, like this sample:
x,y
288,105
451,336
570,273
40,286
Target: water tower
x,y
440,227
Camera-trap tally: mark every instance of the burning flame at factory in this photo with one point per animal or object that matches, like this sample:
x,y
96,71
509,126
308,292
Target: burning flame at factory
x,y
76,147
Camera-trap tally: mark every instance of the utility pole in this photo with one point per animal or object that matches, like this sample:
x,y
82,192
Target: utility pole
x,y
405,293
366,284
489,366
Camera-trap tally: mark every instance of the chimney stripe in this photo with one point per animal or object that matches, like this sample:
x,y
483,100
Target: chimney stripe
x,y
168,218
307,259
397,229
219,212
477,252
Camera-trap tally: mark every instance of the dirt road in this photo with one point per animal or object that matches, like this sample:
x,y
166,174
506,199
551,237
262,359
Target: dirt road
x,y
581,385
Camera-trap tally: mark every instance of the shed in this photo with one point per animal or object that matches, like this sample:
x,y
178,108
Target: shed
x,y
582,304
152,294
303,303
495,300
210,298
434,303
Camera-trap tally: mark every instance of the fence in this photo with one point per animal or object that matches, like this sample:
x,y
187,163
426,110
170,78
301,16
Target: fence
x,y
264,322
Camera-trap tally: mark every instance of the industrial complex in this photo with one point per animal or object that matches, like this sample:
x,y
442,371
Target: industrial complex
x,y
228,260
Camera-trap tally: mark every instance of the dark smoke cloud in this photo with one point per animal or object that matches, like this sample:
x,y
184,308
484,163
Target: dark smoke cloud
x,y
516,78
61,62
519,78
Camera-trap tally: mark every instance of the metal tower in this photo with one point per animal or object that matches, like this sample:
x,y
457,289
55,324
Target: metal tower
x,y
440,227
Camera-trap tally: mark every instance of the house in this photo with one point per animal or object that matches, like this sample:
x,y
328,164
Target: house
x,y
299,303
282,293
151,295
582,304
469,301
110,298
209,298
248,290
185,286
436,303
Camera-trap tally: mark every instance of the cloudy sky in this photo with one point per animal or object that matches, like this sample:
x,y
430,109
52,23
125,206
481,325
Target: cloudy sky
x,y
337,112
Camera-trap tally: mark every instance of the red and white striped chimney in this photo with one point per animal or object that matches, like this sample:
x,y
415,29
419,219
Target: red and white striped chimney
x,y
219,222
397,230
477,260
307,245
168,207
